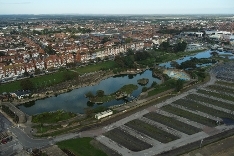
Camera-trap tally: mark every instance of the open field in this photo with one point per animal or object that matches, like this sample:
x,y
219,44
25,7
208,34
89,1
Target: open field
x,y
190,116
205,109
211,101
96,67
220,95
104,148
81,147
41,81
151,131
52,117
130,142
173,123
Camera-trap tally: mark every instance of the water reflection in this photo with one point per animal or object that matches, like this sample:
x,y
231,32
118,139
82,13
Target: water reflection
x,y
75,101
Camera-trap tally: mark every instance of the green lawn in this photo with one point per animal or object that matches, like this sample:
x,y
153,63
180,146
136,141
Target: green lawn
x,y
162,87
125,89
81,147
96,67
10,87
52,117
40,81
128,88
43,129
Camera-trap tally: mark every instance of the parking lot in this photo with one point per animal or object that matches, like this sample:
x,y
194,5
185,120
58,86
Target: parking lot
x,y
197,115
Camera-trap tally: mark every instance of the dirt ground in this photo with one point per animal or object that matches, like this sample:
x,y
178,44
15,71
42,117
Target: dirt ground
x,y
224,147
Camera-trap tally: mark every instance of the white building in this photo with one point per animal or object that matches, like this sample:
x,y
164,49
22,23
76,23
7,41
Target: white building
x,y
193,47
103,114
232,40
218,34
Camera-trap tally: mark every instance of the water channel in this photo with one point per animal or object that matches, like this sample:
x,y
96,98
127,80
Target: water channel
x,y
75,101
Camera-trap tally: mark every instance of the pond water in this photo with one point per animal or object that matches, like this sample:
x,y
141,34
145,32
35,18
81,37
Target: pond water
x,y
205,54
75,101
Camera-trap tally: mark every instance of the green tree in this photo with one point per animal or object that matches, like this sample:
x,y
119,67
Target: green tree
x,y
128,40
144,89
88,112
179,85
89,95
100,93
164,46
26,84
154,84
214,53
49,50
181,46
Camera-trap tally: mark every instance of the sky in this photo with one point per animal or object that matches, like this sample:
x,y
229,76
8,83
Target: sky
x,y
116,6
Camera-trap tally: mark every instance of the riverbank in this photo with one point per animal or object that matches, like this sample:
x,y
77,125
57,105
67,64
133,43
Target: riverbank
x,y
93,79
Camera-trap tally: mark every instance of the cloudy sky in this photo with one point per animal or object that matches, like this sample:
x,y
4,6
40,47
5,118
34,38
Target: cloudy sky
x,y
116,6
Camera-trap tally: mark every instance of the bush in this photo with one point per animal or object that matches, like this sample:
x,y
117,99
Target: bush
x,y
144,89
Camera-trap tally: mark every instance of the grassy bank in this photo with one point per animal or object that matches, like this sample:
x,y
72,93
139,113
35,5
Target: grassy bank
x,y
128,89
81,147
96,67
38,82
52,117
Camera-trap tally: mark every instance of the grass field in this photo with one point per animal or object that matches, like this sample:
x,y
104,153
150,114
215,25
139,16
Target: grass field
x,y
96,67
41,81
81,147
52,117
43,129
162,87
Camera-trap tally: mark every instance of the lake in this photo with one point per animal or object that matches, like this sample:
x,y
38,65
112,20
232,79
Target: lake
x,y
75,101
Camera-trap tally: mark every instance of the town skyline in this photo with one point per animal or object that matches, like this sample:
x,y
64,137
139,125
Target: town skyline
x,y
116,7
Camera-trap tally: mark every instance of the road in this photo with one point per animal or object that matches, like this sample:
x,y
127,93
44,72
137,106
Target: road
x,y
26,141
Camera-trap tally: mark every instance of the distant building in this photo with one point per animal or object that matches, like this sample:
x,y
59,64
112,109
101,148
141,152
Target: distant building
x,y
103,114
193,47
232,40
218,34
20,94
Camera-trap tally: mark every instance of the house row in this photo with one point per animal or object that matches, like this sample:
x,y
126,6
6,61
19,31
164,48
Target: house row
x,y
86,56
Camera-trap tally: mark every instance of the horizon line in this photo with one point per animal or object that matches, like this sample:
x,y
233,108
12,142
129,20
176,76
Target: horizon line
x,y
121,14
